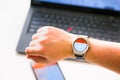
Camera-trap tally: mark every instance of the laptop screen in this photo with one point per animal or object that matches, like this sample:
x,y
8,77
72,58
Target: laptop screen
x,y
113,5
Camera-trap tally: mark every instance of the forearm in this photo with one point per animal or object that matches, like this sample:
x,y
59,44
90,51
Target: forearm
x,y
106,54
51,44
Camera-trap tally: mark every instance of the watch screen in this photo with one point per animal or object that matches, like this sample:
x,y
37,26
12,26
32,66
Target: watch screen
x,y
80,44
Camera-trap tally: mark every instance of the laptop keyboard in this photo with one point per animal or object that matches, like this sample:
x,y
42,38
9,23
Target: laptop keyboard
x,y
96,26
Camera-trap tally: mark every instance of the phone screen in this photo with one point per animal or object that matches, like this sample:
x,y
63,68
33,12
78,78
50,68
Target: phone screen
x,y
47,72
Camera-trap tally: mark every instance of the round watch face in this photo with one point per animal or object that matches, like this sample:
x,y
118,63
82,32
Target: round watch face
x,y
80,45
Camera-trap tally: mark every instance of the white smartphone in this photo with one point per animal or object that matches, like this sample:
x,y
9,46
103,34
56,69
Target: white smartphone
x,y
47,72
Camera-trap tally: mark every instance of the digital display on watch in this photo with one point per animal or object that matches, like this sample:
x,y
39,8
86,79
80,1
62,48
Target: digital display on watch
x,y
80,45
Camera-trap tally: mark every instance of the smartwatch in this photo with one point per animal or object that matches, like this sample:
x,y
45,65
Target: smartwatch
x,y
80,47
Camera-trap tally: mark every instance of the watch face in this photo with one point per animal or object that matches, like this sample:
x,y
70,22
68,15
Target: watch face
x,y
80,45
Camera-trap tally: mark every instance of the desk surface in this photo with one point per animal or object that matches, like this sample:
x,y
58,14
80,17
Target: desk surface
x,y
16,67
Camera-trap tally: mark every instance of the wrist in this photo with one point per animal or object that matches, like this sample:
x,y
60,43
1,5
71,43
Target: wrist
x,y
90,56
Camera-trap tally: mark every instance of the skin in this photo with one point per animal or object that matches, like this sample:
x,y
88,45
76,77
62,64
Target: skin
x,y
51,44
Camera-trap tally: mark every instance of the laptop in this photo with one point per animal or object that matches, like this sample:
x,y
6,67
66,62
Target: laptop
x,y
96,18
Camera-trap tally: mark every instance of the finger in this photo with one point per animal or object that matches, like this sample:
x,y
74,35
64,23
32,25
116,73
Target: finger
x,y
34,51
35,36
43,29
39,36
33,43
38,59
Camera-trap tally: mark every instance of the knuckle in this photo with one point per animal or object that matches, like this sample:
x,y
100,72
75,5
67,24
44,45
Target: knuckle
x,y
35,36
31,43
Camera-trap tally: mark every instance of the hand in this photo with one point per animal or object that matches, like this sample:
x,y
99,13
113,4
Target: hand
x,y
50,45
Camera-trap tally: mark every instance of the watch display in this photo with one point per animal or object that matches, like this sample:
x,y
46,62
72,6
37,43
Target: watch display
x,y
80,45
